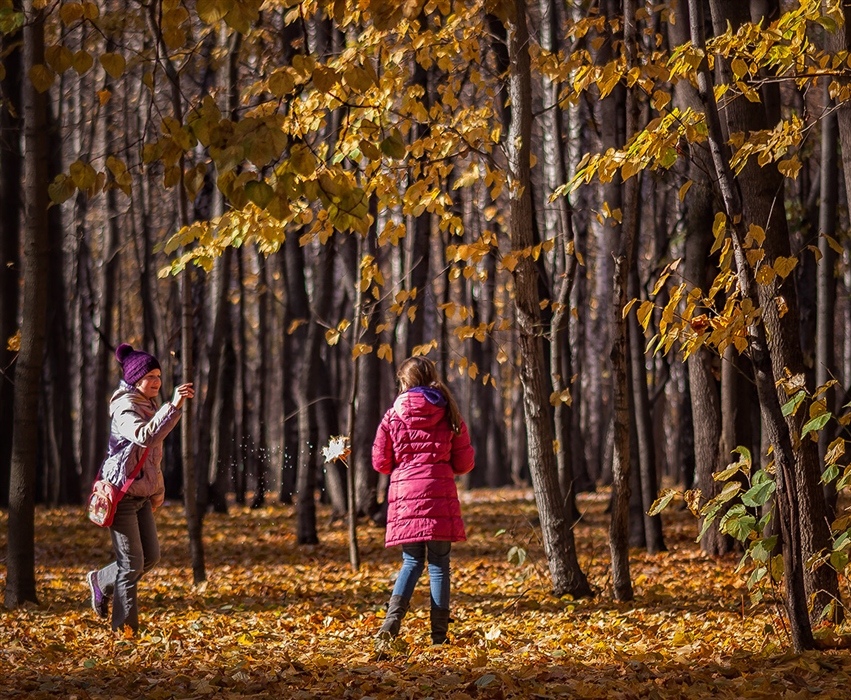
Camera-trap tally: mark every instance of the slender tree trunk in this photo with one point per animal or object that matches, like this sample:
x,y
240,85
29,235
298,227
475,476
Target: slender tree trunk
x,y
242,463
648,482
826,285
262,447
193,516
567,577
20,548
368,415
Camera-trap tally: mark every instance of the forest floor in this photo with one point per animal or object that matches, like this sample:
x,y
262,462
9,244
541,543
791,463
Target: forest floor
x,y
278,620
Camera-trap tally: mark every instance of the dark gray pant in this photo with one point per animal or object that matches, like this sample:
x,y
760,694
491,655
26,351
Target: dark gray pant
x,y
137,550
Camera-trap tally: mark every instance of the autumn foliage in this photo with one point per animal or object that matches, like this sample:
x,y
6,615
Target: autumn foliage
x,y
277,620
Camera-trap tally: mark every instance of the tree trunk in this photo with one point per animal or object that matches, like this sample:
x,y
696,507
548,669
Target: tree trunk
x,y
618,531
649,482
243,462
62,482
20,548
11,166
790,514
194,521
262,447
567,577
703,386
368,387
826,284
323,289
762,203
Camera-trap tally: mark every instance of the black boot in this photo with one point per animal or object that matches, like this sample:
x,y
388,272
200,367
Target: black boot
x,y
439,626
393,620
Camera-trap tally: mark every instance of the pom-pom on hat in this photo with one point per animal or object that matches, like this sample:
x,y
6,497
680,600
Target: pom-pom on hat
x,y
136,363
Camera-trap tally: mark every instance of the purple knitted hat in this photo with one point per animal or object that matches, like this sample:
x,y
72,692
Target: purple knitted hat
x,y
136,363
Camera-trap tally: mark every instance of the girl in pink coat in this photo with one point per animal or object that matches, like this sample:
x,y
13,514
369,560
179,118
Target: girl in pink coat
x,y
422,443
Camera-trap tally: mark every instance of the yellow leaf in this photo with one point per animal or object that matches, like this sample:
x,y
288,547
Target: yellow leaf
x,y
360,349
70,12
643,313
755,234
790,167
783,266
385,352
325,78
295,324
90,11
82,61
685,188
83,174
509,262
765,274
833,243
42,77
332,336
281,83
58,57
740,68
104,96
13,344
719,230
628,306
113,63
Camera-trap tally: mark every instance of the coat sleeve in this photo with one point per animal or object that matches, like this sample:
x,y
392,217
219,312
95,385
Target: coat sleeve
x,y
133,427
382,448
463,456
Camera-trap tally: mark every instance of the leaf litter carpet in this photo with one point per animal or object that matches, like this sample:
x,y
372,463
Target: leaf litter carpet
x,y
279,620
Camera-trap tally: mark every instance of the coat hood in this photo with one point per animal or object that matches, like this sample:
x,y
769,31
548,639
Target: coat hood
x,y
417,409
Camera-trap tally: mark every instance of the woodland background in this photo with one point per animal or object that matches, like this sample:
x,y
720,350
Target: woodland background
x,y
626,250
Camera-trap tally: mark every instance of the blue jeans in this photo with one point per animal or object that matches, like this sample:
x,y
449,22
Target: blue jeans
x,y
137,550
413,563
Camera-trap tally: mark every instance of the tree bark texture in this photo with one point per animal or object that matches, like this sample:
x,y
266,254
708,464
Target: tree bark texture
x,y
20,549
11,168
762,203
775,426
567,577
825,364
649,481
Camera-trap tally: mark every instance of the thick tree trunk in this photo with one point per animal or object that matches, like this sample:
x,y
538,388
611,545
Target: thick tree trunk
x,y
790,514
20,548
703,386
618,530
762,202
323,289
567,577
11,166
62,482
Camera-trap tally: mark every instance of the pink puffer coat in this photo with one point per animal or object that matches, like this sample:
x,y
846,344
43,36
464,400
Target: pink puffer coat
x,y
415,445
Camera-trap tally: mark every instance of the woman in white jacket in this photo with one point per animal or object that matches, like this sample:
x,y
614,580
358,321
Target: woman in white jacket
x,y
138,427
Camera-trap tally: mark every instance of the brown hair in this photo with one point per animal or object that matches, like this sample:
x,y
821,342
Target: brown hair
x,y
420,371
